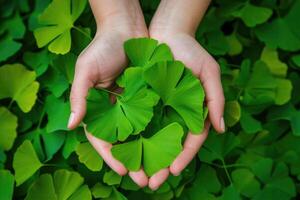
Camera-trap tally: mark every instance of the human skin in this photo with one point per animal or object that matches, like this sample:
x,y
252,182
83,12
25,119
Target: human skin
x,y
174,23
101,63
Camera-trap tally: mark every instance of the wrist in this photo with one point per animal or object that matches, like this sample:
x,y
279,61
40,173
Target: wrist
x,y
178,16
124,16
122,24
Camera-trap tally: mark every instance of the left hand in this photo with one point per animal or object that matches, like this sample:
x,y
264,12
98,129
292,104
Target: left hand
x,y
186,49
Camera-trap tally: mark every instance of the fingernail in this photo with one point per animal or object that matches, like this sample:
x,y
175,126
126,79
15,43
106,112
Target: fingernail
x,y
71,119
154,188
177,174
222,125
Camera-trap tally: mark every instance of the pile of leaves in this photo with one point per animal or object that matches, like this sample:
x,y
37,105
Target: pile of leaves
x,y
256,43
156,99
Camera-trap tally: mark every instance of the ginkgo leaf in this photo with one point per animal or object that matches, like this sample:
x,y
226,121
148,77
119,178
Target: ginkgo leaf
x,y
18,83
8,47
89,156
104,119
156,152
139,50
162,148
8,128
63,185
145,51
129,153
180,89
65,64
235,46
270,57
25,162
6,185
55,29
42,188
296,60
112,178
130,114
245,182
66,183
218,147
282,32
52,142
38,61
101,191
264,89
58,113
246,13
232,113
70,144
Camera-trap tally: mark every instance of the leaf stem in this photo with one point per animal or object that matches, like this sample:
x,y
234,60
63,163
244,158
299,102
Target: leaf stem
x,y
227,166
226,171
10,104
111,92
83,33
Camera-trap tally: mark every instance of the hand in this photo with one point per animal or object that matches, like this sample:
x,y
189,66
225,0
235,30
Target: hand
x,y
100,63
186,49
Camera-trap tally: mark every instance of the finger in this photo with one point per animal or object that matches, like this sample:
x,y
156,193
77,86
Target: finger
x,y
139,177
79,91
103,148
191,147
211,80
158,178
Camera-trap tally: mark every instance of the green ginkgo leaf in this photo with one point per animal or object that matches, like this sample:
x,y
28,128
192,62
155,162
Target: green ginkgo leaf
x,y
58,113
66,183
282,32
56,28
8,47
130,114
145,51
112,178
179,89
63,185
18,83
42,188
89,156
245,182
232,113
161,149
101,191
38,61
156,152
6,185
129,153
8,128
246,13
25,162
104,119
264,89
235,46
270,57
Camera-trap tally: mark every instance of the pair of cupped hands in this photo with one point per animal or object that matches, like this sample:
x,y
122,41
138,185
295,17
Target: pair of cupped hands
x,y
104,59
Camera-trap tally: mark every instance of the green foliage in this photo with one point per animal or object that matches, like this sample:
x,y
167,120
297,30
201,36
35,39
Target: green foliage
x,y
256,43
156,80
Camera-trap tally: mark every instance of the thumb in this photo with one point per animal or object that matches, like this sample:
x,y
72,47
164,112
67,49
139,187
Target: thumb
x,y
79,91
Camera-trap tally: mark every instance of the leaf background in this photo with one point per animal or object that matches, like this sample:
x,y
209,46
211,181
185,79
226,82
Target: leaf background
x,y
257,44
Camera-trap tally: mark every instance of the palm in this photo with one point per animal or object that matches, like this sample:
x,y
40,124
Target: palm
x,y
186,49
104,59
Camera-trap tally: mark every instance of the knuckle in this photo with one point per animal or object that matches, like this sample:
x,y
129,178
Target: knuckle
x,y
215,68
